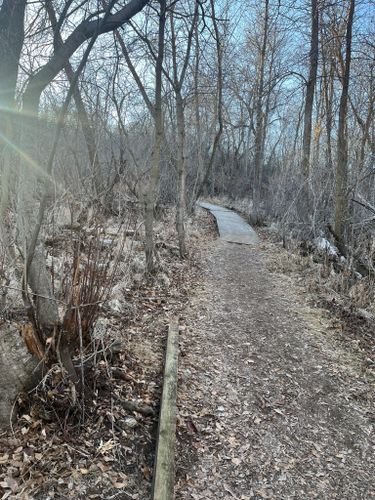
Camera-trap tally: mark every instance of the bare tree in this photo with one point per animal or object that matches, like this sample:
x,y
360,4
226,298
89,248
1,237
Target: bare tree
x,y
259,115
341,192
177,81
81,109
31,172
156,109
12,14
204,175
309,103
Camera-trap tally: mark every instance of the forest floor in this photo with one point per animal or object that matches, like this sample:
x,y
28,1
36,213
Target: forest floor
x,y
98,448
276,385
275,399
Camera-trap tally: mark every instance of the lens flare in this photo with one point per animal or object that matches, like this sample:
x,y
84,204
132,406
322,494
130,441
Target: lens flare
x,y
36,167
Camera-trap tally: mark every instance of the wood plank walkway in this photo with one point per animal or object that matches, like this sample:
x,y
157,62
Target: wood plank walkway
x,y
232,227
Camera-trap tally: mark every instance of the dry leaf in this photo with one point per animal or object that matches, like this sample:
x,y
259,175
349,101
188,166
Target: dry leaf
x,y
119,486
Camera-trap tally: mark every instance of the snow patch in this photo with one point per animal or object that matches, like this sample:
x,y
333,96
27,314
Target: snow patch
x,y
326,246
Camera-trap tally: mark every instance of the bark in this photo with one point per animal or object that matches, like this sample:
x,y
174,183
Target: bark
x,y
149,194
341,190
304,198
259,118
181,168
309,101
37,276
150,189
12,15
198,131
19,370
328,90
12,354
177,83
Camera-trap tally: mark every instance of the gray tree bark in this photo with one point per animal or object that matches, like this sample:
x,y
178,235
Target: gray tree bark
x,y
309,104
155,107
259,118
341,190
149,192
19,370
12,15
177,83
14,356
181,168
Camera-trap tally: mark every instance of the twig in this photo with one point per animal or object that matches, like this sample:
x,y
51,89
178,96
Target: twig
x,y
82,365
364,205
88,304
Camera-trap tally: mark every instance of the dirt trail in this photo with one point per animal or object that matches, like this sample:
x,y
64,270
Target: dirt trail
x,y
270,404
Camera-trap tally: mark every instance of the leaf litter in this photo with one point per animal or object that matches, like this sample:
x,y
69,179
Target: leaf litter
x,y
281,407
102,446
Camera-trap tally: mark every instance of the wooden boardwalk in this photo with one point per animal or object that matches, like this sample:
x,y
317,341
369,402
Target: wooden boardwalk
x,y
232,227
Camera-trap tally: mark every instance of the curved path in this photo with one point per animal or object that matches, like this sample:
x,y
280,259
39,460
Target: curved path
x,y
271,405
232,227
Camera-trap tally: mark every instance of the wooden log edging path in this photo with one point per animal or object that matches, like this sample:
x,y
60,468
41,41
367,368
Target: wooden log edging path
x,y
234,229
164,469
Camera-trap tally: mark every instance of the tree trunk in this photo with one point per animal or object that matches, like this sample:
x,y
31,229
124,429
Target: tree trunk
x,y
181,168
341,191
310,90
150,191
219,109
259,119
19,370
309,104
149,201
328,90
38,278
197,123
16,365
177,83
12,15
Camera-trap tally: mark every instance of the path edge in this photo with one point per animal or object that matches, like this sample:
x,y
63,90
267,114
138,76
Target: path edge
x,y
164,468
